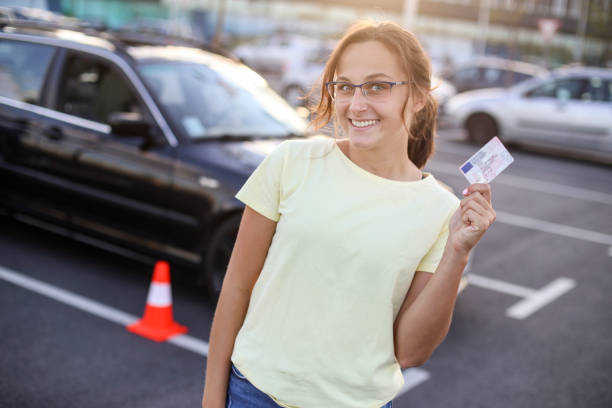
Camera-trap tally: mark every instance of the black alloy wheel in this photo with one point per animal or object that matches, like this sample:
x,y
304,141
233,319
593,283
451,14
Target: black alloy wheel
x,y
481,128
218,254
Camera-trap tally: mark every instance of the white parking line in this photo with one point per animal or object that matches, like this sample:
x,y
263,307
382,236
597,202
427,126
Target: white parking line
x,y
68,298
412,376
553,228
533,299
500,286
190,343
96,308
533,185
541,298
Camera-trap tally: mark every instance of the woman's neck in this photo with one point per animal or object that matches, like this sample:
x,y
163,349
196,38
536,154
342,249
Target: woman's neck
x,y
391,162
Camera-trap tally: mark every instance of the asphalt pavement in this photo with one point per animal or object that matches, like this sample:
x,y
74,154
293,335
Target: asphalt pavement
x,y
532,329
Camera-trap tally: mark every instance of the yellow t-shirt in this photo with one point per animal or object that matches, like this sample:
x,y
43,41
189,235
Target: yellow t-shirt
x,y
318,332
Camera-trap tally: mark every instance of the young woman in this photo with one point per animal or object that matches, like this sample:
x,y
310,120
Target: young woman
x,y
348,257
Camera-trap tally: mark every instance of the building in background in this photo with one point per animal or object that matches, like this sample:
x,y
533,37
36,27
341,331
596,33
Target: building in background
x,y
547,32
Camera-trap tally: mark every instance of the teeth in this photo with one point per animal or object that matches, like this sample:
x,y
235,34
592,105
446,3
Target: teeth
x,y
363,123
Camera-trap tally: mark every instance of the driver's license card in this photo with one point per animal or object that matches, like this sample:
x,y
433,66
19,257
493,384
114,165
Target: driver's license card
x,y
486,163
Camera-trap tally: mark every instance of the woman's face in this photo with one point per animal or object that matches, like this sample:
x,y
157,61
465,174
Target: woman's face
x,y
366,122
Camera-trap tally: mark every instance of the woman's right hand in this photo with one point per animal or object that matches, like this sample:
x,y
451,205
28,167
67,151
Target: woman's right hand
x,y
472,219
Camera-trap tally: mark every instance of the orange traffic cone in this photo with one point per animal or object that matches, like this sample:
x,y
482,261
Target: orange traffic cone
x,y
157,323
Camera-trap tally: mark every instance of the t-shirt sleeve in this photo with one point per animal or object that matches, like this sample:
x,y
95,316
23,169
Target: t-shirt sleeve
x,y
431,260
262,190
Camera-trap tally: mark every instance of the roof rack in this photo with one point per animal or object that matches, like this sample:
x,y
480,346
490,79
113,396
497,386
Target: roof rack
x,y
131,37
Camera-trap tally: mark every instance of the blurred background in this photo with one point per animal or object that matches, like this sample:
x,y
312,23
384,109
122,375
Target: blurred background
x,y
126,128
548,33
545,32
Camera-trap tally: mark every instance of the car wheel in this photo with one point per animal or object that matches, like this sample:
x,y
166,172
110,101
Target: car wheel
x,y
481,128
218,254
294,94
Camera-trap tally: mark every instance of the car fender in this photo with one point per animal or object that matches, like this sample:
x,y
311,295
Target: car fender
x,y
485,101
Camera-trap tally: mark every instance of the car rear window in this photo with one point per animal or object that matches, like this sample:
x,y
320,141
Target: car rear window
x,y
22,69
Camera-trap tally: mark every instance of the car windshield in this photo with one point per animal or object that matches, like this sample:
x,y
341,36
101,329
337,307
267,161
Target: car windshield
x,y
219,99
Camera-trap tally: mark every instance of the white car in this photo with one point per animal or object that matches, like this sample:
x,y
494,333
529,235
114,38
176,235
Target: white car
x,y
491,72
291,64
568,111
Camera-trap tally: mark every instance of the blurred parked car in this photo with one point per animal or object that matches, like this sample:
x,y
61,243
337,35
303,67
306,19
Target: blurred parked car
x,y
133,147
491,72
442,90
291,64
569,111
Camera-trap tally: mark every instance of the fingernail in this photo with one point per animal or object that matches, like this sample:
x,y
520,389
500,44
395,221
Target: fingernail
x,y
465,191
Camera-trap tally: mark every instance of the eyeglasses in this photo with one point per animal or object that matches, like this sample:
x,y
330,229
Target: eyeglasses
x,y
373,90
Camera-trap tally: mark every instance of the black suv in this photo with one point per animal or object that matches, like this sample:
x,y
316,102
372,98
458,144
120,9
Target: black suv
x,y
132,144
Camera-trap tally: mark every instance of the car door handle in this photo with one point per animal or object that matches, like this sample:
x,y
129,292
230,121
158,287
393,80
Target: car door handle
x,y
54,133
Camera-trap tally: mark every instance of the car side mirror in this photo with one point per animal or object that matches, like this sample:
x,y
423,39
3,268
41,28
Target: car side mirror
x,y
129,124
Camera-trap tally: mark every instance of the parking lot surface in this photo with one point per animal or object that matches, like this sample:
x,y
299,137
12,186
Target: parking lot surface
x,y
531,330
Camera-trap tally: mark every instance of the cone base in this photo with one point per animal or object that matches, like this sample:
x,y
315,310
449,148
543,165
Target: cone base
x,y
156,334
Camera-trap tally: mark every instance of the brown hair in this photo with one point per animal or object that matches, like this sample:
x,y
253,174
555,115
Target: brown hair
x,y
414,62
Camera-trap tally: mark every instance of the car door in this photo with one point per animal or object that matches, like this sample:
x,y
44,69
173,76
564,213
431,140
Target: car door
x,y
561,113
117,178
24,185
591,115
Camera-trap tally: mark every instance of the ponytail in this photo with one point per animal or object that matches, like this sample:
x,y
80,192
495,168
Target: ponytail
x,y
422,132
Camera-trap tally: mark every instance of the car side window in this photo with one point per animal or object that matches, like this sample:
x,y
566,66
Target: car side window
x,y
468,74
561,88
597,89
92,89
520,76
23,67
494,76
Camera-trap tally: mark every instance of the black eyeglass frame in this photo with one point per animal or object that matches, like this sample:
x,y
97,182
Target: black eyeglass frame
x,y
360,86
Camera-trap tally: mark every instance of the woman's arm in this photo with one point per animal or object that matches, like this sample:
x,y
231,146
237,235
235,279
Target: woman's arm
x,y
424,318
248,256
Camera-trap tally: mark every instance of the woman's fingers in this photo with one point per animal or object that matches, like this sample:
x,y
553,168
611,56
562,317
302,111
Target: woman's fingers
x,y
477,199
480,208
484,189
477,221
477,211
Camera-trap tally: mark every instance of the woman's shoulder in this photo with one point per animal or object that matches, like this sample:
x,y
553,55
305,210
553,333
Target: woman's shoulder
x,y
308,147
441,192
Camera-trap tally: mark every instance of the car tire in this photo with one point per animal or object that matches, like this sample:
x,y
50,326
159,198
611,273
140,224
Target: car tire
x,y
481,128
218,253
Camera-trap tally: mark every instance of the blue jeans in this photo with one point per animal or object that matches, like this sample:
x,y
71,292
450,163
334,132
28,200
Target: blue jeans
x,y
242,394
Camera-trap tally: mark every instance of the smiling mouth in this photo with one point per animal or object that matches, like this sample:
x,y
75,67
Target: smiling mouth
x,y
364,123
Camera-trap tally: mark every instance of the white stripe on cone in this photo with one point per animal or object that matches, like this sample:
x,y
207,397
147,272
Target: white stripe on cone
x,y
159,295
